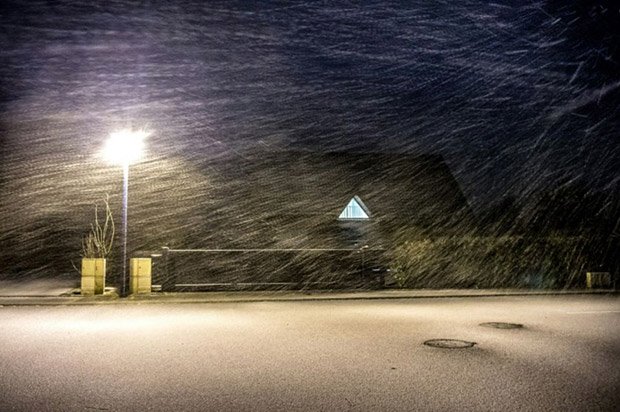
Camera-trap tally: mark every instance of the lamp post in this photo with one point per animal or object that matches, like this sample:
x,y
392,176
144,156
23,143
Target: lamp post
x,y
124,148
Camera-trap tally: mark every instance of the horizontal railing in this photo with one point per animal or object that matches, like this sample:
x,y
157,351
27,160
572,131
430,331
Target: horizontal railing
x,y
312,267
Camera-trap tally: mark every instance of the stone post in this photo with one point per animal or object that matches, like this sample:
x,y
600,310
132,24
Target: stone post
x,y
140,275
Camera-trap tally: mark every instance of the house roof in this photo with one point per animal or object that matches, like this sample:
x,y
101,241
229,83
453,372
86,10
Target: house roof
x,y
306,191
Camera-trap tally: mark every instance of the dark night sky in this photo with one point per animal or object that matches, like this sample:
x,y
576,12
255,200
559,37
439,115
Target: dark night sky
x,y
516,95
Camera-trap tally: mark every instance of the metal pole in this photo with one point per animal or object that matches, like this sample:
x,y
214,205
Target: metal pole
x,y
125,196
166,285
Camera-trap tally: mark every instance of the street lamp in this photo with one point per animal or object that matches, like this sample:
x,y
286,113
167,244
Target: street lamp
x,y
123,148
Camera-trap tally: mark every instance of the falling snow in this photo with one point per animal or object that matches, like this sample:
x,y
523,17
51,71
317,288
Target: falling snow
x,y
521,100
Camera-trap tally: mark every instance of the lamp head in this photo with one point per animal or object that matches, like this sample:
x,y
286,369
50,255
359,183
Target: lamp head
x,y
125,147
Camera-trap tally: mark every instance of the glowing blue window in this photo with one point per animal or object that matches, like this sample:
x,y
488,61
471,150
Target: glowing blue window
x,y
355,210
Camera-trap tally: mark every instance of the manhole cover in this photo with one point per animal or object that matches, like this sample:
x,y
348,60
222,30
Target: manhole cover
x,y
502,325
449,343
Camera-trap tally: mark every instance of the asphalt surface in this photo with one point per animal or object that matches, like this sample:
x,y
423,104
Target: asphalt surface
x,y
314,355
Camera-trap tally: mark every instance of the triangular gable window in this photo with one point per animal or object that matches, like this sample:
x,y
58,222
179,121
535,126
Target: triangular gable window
x,y
356,209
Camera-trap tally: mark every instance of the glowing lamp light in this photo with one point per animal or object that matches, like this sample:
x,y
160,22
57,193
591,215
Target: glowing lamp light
x,y
125,147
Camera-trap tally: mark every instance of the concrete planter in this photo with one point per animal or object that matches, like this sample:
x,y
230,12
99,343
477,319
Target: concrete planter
x,y
93,276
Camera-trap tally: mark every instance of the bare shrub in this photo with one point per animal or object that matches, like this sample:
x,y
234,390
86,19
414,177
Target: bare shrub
x,y
98,242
